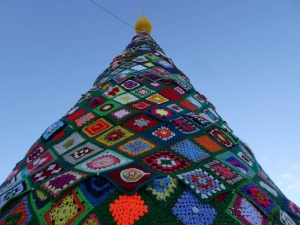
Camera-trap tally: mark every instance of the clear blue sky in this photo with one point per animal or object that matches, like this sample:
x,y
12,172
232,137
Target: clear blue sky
x,y
243,55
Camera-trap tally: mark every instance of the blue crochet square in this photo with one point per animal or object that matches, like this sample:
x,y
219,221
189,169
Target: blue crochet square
x,y
190,150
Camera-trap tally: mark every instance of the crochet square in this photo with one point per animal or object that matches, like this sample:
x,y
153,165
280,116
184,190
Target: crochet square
x,y
49,171
149,64
163,135
242,210
12,192
223,172
286,219
114,136
175,107
91,220
69,143
157,98
190,210
184,126
207,143
142,92
121,114
40,162
204,185
236,164
141,105
217,134
125,98
189,150
107,108
186,104
53,129
162,113
129,178
136,147
34,152
65,211
81,153
20,214
140,123
260,199
165,162
75,113
162,187
84,119
152,76
96,189
112,92
159,70
170,94
96,127
292,208
130,84
103,161
211,114
39,199
62,182
127,209
138,67
96,101
194,102
122,77
140,59
155,85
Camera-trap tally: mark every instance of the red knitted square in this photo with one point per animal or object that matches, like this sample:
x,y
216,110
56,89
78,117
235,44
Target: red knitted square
x,y
170,94
141,123
141,105
185,103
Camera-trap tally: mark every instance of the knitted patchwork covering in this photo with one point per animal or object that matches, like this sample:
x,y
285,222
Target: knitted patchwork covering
x,y
142,146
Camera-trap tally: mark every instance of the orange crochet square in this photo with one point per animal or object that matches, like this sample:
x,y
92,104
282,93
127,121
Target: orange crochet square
x,y
187,105
208,143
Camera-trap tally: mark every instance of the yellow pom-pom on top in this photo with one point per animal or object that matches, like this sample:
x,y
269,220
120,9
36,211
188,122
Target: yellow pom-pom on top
x,y
143,25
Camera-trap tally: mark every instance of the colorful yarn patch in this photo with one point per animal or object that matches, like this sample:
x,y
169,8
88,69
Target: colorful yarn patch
x,y
121,114
103,161
127,209
75,113
190,210
130,84
84,119
189,150
114,136
53,129
96,189
185,103
199,119
49,171
162,187
91,220
125,98
223,172
140,123
286,219
157,98
39,198
113,91
217,134
292,208
185,126
141,105
207,143
211,114
96,101
129,178
96,127
170,94
81,153
107,108
163,135
260,199
194,102
65,211
13,192
62,182
246,213
34,153
165,162
136,147
179,90
142,92
175,107
202,183
19,215
41,161
162,113
233,162
69,143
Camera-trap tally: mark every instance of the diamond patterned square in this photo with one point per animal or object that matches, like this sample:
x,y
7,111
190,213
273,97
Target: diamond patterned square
x,y
142,92
157,98
114,136
136,146
165,162
125,98
141,105
217,134
141,123
130,84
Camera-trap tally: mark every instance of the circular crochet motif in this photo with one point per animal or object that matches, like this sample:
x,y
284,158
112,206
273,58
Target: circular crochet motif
x,y
164,133
161,112
132,174
114,135
103,162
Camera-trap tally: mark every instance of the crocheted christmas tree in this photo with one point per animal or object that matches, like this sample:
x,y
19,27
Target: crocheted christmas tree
x,y
142,147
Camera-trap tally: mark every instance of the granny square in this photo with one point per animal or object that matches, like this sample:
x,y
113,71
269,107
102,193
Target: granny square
x,y
114,136
136,146
97,127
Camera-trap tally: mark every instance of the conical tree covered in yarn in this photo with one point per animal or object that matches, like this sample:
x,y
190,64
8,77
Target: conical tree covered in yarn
x,y
142,147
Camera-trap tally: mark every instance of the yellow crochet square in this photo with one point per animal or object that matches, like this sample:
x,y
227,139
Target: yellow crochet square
x,y
157,98
113,136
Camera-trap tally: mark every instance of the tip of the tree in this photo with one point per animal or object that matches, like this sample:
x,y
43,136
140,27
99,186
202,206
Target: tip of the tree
x,y
143,25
